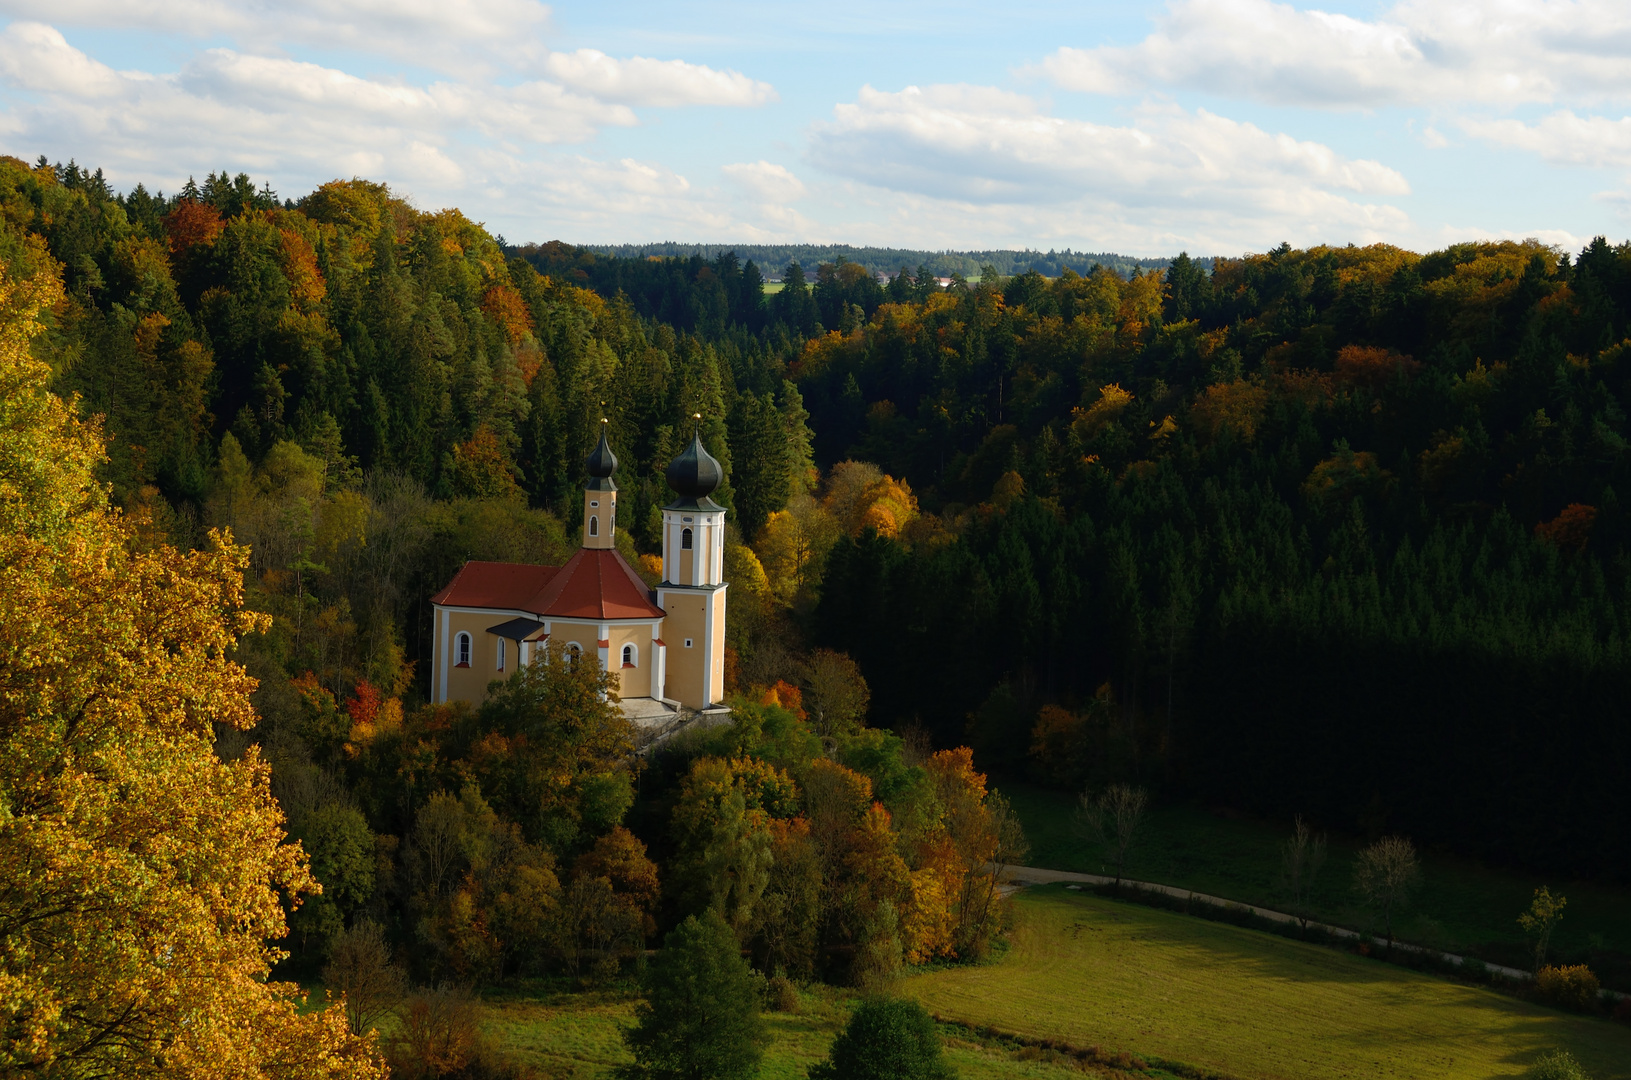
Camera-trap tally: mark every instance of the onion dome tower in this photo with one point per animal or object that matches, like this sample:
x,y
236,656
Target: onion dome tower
x,y
695,475
600,496
692,592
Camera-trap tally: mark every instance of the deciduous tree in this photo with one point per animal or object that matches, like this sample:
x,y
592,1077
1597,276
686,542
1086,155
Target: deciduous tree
x,y
139,873
1111,821
1385,876
1543,915
1301,858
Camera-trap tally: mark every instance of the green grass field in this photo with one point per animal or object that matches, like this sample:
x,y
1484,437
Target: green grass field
x,y
1094,971
579,1036
1461,905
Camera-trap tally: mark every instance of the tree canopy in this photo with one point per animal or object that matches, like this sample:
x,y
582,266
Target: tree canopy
x,y
140,874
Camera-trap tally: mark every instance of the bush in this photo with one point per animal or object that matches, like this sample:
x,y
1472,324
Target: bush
x,y
1558,1065
781,995
885,1039
440,1039
1572,987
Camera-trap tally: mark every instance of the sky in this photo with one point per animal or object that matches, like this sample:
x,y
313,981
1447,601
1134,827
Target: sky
x,y
1211,126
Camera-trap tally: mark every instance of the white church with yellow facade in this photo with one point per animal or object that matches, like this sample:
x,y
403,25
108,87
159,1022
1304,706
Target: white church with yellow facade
x,y
667,643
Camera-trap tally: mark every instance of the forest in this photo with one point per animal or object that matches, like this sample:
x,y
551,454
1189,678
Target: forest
x,y
1330,531
886,260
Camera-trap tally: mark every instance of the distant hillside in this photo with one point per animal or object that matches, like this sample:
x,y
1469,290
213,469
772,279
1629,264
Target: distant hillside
x,y
775,257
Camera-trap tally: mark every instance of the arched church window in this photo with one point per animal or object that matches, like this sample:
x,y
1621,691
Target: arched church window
x,y
461,650
594,524
685,539
574,653
630,656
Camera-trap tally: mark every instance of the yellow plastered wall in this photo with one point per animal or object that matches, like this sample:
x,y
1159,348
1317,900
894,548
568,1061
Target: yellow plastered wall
x,y
602,506
685,618
633,681
717,653
689,669
586,635
470,684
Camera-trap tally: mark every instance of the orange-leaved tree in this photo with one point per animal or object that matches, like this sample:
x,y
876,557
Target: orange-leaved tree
x,y
140,875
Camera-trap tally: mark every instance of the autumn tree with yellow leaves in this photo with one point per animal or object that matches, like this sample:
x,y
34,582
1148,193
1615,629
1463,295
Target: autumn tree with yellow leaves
x,y
140,875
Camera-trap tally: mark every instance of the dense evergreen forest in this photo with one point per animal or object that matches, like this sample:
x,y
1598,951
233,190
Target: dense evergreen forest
x,y
1332,531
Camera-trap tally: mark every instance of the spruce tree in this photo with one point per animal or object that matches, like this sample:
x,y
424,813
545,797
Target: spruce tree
x,y
700,1019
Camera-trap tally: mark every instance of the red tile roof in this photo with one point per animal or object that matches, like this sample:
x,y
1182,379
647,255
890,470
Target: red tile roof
x,y
594,584
495,585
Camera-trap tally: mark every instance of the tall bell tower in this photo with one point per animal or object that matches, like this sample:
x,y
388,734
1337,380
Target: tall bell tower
x,y
600,497
692,592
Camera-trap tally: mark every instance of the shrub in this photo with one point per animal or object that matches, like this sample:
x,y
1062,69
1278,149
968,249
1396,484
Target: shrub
x,y
1558,1065
1573,987
885,1039
781,995
439,1036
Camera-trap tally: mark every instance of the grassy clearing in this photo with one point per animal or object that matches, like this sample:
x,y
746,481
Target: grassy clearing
x,y
579,1036
1462,906
1094,971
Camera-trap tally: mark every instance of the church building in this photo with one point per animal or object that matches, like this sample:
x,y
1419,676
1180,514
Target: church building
x,y
667,644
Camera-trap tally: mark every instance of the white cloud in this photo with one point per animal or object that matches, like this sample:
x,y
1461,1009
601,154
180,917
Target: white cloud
x,y
1561,138
271,116
1432,52
35,57
766,181
990,166
477,145
643,81
447,35
983,146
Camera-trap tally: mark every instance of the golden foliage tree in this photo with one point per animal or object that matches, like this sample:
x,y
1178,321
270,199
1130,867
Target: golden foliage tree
x,y
139,874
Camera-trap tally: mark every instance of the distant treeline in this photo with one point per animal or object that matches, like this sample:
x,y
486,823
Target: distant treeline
x,y
773,258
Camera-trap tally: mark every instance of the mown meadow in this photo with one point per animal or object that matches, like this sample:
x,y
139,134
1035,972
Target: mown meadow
x,y
1462,905
579,1036
1177,995
1087,970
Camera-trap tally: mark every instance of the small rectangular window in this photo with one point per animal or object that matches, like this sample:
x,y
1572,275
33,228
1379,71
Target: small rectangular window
x,y
687,643
501,654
